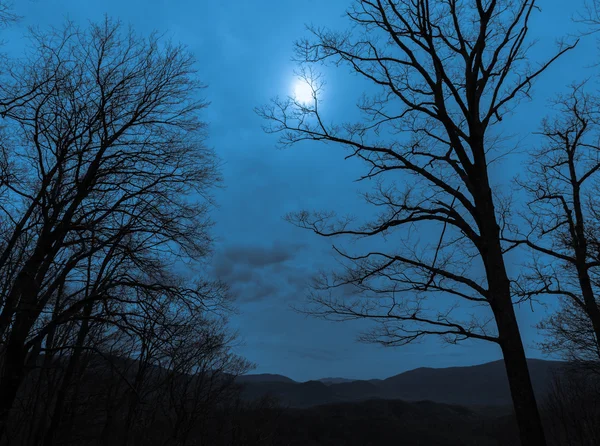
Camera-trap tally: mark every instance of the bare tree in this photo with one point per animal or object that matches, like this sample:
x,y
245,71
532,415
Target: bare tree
x,y
564,227
158,376
105,191
570,333
446,73
573,408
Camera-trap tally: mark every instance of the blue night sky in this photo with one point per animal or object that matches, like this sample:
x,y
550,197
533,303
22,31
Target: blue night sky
x,y
244,50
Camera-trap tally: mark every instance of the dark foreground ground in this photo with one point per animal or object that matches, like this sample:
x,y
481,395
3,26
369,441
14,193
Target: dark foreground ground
x,y
112,406
387,422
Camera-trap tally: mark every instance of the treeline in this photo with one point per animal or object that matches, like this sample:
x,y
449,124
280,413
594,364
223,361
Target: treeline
x,y
110,332
103,396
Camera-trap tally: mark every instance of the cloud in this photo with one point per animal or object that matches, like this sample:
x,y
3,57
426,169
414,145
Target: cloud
x,y
258,291
256,272
260,256
223,270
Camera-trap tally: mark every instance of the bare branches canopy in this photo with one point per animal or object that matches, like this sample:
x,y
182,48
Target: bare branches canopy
x,y
105,190
443,74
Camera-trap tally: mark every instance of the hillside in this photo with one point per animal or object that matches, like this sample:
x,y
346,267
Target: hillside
x,y
264,377
479,385
382,422
335,380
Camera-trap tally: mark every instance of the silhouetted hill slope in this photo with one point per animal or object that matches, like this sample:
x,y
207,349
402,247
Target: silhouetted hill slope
x,y
263,378
382,422
336,380
479,385
310,393
474,385
350,390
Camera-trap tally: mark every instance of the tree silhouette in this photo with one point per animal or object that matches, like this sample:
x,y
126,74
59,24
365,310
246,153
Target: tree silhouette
x,y
446,73
104,193
562,225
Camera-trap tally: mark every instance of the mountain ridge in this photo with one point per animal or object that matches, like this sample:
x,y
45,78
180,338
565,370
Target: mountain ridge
x,y
476,385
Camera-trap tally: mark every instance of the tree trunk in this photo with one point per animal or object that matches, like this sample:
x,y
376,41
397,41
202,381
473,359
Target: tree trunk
x,y
530,425
13,372
531,430
591,306
25,291
56,417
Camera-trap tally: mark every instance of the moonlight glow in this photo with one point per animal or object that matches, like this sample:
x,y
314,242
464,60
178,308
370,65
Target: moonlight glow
x,y
302,91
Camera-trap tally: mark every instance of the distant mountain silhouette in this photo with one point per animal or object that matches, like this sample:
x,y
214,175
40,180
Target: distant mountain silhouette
x,y
264,378
336,380
479,385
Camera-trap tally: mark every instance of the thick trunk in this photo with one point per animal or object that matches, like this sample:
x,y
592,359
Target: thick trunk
x,y
14,368
25,291
14,362
531,430
13,373
521,388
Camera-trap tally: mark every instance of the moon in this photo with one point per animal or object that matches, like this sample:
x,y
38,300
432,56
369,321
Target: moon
x,y
303,92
